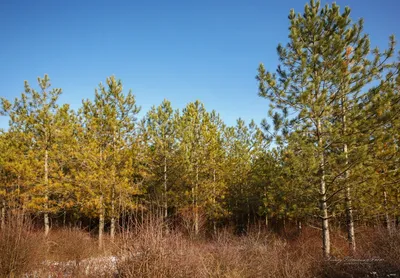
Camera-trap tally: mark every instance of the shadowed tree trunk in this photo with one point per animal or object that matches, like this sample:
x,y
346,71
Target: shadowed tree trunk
x,y
112,224
3,214
387,216
101,222
46,183
165,189
196,207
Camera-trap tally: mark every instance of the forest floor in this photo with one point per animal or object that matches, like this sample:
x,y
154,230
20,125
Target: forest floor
x,y
150,252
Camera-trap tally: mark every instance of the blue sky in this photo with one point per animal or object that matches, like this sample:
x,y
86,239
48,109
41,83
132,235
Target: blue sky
x,y
178,50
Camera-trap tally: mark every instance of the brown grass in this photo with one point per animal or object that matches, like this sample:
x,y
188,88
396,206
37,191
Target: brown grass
x,y
148,250
67,249
379,243
20,247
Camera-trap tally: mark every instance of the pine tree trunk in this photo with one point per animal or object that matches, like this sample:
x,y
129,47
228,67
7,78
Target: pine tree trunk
x,y
3,214
46,197
112,221
214,200
397,218
348,200
326,243
165,189
284,224
196,208
112,225
387,217
265,206
142,212
350,221
248,210
101,222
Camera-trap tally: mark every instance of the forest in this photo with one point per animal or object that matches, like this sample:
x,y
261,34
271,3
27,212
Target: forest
x,y
325,161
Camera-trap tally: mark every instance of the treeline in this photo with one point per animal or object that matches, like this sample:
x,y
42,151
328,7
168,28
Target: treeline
x,y
102,162
330,157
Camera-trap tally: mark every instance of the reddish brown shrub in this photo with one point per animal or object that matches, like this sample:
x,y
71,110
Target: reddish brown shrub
x,y
21,250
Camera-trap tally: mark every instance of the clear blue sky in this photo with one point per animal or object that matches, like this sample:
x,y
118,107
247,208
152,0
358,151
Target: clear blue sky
x,y
179,50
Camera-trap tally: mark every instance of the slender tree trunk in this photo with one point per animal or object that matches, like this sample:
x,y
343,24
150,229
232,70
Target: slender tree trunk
x,y
192,224
46,197
326,243
196,208
112,220
3,214
387,216
165,189
284,224
348,200
350,220
121,211
142,212
214,200
101,206
396,222
248,210
299,226
101,222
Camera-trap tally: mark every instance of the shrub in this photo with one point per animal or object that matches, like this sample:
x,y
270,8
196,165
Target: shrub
x,y
21,250
151,253
68,249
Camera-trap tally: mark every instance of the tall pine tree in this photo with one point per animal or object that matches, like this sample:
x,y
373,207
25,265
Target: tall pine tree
x,y
324,66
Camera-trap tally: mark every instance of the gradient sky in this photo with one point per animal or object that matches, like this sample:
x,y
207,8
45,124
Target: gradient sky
x,y
179,50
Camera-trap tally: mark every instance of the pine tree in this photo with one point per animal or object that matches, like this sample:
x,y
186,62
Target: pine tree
x,y
33,119
65,163
215,160
199,143
161,130
191,125
107,139
380,108
324,66
245,147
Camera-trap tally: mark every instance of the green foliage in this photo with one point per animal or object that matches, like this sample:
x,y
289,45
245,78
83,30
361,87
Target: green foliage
x,y
107,147
325,74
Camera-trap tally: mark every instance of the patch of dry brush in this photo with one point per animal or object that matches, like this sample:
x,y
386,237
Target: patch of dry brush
x,y
149,250
20,247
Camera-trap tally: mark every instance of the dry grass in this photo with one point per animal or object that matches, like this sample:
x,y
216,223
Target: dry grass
x,y
67,250
70,245
378,255
148,250
379,243
20,247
